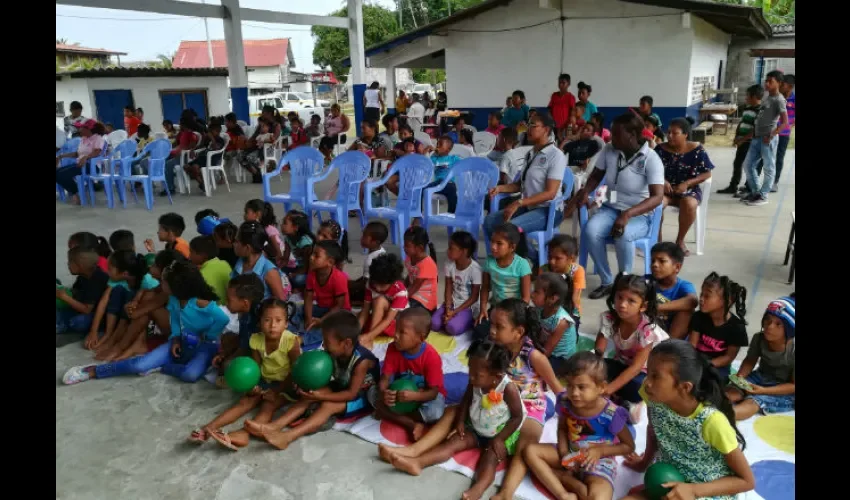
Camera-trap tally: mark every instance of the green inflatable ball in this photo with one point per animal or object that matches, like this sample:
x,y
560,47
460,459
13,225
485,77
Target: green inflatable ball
x,y
404,384
61,304
657,474
312,370
243,374
149,259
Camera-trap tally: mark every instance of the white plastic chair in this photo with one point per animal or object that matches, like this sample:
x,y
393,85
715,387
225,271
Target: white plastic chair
x,y
181,178
460,151
702,216
483,143
208,172
423,137
116,137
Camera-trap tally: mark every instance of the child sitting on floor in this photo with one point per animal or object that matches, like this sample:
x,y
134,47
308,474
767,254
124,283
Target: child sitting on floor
x,y
327,286
691,427
421,281
489,417
563,260
126,272
244,295
630,324
216,272
171,227
299,245
250,241
372,240
677,298
714,330
553,298
257,210
224,235
385,297
592,432
770,388
330,230
89,240
411,357
463,286
275,350
356,370
86,291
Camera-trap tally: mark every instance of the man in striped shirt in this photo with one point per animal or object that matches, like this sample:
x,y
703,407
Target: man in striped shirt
x,y
787,90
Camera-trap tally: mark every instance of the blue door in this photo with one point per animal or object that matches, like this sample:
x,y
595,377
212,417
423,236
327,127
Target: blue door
x,y
172,106
175,101
110,106
198,102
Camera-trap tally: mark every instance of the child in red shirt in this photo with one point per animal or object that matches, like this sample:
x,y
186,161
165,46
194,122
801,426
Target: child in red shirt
x,y
561,105
421,269
385,297
131,121
298,136
327,285
410,357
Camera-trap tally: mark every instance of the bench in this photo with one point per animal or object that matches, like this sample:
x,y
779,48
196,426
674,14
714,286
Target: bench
x,y
700,131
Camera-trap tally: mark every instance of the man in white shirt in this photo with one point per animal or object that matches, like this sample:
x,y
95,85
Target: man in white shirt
x,y
416,112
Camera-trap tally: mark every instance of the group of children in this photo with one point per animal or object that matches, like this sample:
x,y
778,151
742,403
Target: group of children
x,y
225,294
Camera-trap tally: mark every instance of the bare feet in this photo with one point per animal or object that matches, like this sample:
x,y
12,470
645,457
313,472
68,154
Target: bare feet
x,y
475,492
256,429
498,496
406,464
386,452
418,431
684,248
278,439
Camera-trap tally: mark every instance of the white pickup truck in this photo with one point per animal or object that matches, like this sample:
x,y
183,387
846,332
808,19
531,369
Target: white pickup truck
x,y
256,103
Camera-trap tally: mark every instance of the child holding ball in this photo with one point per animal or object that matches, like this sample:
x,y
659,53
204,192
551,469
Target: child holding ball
x,y
275,350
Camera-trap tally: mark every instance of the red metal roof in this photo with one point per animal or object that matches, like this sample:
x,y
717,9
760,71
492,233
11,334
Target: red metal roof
x,y
61,47
258,53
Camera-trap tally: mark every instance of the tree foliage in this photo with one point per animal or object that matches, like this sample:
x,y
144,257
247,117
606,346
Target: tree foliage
x,y
775,11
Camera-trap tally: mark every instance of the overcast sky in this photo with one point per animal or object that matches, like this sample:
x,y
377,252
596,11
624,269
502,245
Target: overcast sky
x,y
143,36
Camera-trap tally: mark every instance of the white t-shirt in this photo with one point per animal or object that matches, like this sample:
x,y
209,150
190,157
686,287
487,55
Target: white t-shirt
x,y
369,259
462,281
372,100
417,111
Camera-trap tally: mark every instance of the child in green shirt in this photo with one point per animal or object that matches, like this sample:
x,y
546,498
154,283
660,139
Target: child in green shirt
x,y
743,136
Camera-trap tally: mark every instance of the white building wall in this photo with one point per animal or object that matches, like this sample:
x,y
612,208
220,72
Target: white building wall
x,y
146,93
710,48
265,77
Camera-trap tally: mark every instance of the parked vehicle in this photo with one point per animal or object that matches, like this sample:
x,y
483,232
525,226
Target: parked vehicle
x,y
303,99
256,103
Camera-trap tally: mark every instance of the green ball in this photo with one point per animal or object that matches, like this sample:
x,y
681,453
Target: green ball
x,y
313,370
243,374
404,384
658,474
61,304
149,259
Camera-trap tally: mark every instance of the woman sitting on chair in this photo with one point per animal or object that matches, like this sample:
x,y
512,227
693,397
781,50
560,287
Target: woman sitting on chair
x,y
92,142
686,166
635,179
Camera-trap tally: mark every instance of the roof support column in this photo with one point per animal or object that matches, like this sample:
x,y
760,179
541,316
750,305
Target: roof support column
x,y
236,60
358,59
389,98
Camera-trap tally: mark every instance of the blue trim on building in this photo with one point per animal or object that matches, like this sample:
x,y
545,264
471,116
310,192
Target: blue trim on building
x,y
239,103
358,90
479,115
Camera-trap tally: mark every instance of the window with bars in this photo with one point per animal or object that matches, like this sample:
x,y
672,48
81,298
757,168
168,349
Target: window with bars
x,y
762,67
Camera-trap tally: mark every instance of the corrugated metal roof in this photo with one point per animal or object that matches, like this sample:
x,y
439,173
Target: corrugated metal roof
x,y
783,29
76,49
121,72
258,53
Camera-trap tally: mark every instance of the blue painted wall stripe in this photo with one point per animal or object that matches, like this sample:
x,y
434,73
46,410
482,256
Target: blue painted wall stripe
x,y
239,103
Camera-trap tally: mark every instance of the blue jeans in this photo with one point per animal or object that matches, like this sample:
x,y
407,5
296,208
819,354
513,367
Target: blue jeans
x,y
767,154
529,220
195,366
70,321
768,402
598,230
781,146
311,339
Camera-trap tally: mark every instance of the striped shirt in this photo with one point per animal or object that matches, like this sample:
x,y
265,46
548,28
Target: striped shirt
x,y
790,106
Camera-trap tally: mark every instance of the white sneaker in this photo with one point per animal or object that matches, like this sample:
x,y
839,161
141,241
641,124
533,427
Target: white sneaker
x,y
151,371
76,375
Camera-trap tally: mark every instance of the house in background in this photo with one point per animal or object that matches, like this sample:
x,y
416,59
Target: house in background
x,y
750,59
68,54
269,63
163,93
669,49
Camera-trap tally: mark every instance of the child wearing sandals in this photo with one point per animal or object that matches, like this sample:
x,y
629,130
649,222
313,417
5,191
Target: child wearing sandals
x,y
196,323
244,295
630,324
356,370
489,417
770,388
275,349
592,432
691,427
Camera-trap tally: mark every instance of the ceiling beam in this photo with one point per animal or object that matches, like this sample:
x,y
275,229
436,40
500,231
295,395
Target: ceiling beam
x,y
271,16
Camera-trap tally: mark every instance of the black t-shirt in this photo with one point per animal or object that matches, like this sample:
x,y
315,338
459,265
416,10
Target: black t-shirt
x,y
581,150
715,340
228,255
90,290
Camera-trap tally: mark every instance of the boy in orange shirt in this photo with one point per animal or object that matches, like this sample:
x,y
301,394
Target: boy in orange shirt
x,y
131,121
171,226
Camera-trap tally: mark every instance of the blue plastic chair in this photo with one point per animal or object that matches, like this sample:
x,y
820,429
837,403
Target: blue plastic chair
x,y
108,174
415,172
646,244
304,162
157,153
473,178
70,146
93,167
353,167
543,237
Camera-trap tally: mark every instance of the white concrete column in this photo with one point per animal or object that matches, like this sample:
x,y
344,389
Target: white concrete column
x,y
236,59
391,90
358,59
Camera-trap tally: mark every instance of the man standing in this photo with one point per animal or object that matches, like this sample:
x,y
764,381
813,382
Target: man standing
x,y
787,91
75,116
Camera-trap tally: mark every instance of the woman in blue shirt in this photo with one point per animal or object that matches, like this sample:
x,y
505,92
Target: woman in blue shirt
x,y
196,324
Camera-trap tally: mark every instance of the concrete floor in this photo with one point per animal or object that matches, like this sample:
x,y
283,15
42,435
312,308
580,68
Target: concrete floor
x,y
125,437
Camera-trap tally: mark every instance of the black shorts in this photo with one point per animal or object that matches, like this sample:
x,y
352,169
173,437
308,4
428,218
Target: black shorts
x,y
373,114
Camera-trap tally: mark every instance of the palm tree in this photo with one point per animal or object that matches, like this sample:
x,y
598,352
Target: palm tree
x,y
61,41
163,61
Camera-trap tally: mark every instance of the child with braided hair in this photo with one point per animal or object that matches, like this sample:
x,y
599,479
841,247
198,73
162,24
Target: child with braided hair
x,y
715,331
331,230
